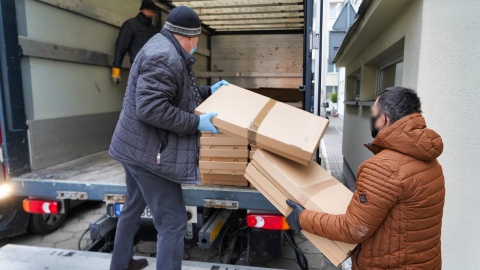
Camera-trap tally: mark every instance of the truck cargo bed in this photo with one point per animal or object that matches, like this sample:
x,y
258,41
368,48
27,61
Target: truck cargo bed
x,y
16,257
98,175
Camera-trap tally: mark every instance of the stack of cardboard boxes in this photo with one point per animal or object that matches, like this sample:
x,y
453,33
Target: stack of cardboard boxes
x,y
284,140
223,159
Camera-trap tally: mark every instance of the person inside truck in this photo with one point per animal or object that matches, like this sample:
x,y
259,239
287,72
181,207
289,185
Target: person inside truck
x,y
134,33
156,139
395,214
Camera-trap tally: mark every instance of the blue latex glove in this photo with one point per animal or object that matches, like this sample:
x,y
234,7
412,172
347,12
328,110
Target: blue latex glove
x,y
205,123
293,219
215,87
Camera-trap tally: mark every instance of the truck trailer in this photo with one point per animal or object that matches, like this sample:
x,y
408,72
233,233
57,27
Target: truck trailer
x,y
59,108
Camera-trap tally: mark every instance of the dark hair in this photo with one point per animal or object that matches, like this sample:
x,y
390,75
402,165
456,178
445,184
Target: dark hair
x,y
397,102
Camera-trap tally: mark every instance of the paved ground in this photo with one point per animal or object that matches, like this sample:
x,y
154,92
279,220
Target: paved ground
x,y
78,219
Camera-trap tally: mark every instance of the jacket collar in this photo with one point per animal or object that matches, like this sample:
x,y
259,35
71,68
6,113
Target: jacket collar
x,y
188,59
410,136
143,19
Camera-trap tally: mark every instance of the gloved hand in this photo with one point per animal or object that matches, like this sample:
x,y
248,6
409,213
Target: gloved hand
x,y
215,87
205,123
116,75
293,219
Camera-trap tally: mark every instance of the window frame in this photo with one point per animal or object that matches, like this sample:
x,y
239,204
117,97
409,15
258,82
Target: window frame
x,y
393,61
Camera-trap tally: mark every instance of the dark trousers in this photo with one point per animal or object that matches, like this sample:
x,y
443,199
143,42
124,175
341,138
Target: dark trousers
x,y
165,200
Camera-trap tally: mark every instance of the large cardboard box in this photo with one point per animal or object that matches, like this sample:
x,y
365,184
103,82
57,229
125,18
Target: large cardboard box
x,y
224,153
225,147
266,123
223,141
215,165
313,187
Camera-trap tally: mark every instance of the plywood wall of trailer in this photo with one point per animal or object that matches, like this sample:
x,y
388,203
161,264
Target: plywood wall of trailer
x,y
258,60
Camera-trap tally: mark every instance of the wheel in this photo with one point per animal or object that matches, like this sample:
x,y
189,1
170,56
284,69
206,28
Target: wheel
x,y
13,220
45,223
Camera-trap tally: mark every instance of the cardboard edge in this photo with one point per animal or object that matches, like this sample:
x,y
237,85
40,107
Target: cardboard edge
x,y
253,172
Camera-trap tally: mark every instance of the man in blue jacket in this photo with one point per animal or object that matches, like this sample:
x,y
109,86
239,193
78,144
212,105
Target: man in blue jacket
x,y
156,139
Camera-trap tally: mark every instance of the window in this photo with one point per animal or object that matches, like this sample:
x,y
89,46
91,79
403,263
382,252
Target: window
x,y
335,9
390,74
332,68
330,90
356,88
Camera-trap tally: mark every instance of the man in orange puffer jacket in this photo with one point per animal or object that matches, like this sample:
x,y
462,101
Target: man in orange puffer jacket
x,y
395,214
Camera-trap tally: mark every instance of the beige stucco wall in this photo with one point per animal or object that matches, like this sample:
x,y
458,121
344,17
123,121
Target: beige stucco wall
x,y
448,83
407,26
441,61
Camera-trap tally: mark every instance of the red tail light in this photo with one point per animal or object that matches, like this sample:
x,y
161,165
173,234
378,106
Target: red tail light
x,y
41,207
267,222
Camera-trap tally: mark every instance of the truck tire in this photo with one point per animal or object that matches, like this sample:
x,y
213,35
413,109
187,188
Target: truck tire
x,y
45,223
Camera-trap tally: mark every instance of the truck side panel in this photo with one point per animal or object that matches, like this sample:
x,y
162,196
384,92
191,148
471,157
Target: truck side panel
x,y
62,94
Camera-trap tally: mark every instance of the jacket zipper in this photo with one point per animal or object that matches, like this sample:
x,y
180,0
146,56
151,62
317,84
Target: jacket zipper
x,y
159,154
358,254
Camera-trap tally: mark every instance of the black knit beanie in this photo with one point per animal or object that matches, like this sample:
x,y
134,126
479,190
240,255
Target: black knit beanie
x,y
183,21
148,4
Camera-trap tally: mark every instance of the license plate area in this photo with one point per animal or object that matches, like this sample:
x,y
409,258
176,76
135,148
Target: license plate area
x,y
147,214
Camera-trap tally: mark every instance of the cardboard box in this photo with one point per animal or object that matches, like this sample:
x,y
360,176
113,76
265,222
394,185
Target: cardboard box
x,y
224,153
214,165
224,180
225,147
222,159
215,135
266,123
225,183
222,171
313,187
223,141
223,177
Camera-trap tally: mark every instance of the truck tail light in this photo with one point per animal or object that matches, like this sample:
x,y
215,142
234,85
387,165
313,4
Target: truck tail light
x,y
41,206
267,222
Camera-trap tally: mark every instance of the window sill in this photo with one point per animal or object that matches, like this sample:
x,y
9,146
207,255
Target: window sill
x,y
359,103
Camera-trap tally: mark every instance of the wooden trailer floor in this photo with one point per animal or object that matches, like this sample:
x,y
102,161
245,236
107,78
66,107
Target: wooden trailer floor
x,y
96,176
16,257
96,168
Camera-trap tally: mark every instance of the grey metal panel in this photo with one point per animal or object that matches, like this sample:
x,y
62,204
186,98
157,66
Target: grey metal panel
x,y
336,39
90,11
41,49
345,19
54,141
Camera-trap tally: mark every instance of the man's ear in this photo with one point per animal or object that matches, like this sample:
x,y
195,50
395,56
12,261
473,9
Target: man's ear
x,y
387,120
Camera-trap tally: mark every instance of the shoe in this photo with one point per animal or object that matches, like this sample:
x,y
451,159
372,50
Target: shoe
x,y
137,264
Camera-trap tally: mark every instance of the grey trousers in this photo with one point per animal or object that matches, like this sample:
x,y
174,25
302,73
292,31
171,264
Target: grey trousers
x,y
165,200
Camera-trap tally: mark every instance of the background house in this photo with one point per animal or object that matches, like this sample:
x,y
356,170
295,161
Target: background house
x,y
433,47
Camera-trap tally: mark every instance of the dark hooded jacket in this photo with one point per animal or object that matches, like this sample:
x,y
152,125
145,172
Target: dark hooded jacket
x,y
396,211
134,33
157,129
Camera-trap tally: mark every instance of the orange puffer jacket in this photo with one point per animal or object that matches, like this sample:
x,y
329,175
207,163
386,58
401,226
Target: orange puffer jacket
x,y
396,211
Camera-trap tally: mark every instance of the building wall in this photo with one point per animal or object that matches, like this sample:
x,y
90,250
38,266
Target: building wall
x,y
402,31
448,81
441,60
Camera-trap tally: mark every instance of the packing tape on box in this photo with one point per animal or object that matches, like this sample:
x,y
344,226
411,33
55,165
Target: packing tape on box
x,y
252,130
